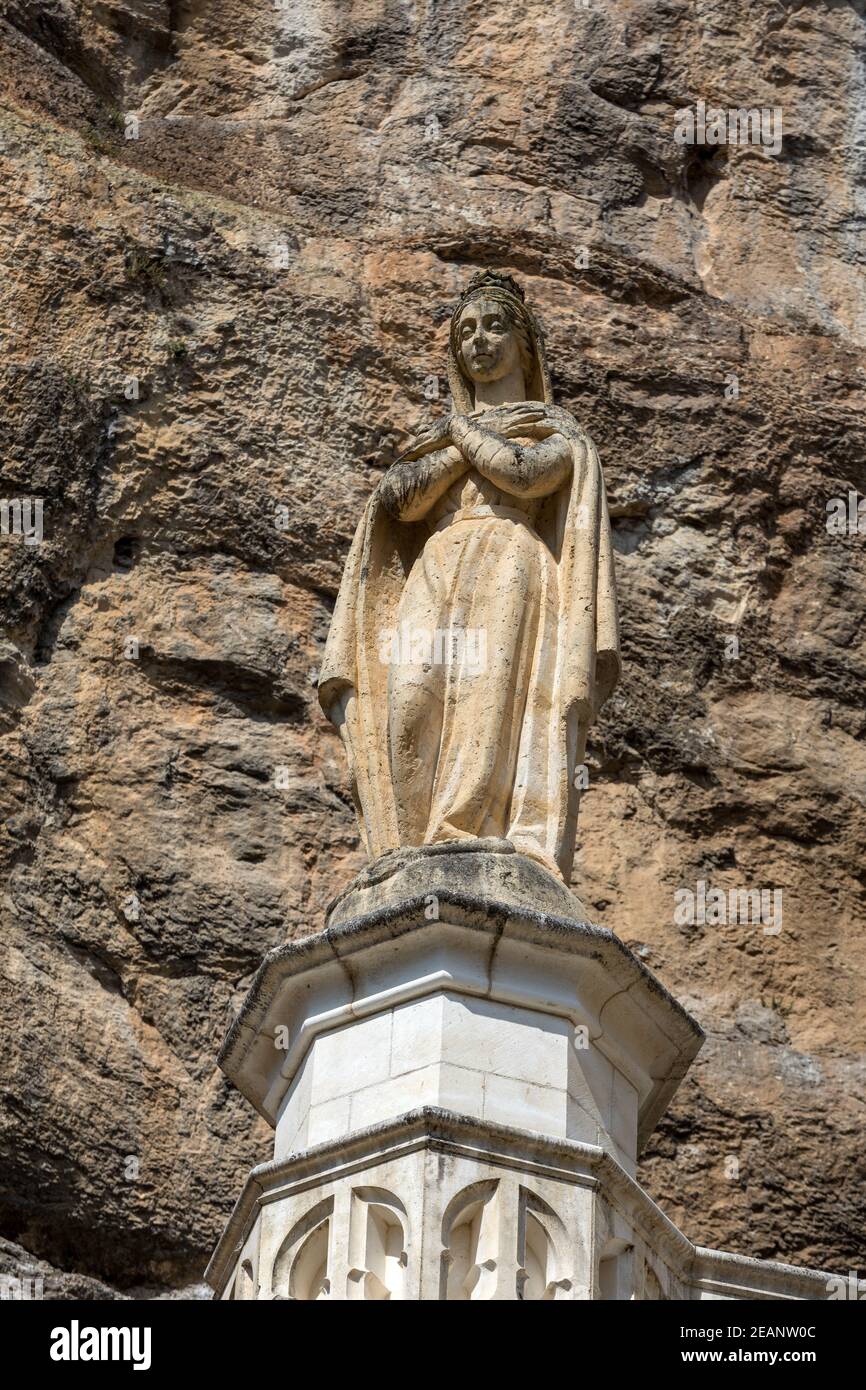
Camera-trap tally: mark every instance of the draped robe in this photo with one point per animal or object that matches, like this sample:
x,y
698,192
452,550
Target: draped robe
x,y
456,748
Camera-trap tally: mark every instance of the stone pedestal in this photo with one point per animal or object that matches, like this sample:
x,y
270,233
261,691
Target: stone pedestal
x,y
460,1087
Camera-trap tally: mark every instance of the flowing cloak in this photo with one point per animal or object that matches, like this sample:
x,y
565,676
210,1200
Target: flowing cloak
x,y
574,524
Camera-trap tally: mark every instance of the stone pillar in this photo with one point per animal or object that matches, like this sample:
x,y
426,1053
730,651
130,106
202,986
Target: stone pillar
x,y
460,1085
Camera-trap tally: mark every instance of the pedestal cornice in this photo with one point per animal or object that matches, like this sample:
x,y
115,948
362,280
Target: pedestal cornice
x,y
474,947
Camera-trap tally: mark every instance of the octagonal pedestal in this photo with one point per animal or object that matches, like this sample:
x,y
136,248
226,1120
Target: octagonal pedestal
x,y
460,1086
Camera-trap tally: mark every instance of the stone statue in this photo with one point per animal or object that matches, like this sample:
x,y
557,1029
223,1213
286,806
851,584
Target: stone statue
x,y
475,635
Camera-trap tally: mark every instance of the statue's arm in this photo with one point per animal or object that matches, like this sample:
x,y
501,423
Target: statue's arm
x,y
411,487
524,470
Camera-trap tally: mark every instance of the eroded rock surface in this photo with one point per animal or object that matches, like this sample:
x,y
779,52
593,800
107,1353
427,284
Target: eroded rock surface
x,y
306,181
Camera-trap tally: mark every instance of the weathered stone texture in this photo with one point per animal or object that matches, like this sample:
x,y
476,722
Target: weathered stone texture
x,y
307,181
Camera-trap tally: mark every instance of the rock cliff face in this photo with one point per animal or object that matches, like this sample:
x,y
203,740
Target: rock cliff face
x,y
215,336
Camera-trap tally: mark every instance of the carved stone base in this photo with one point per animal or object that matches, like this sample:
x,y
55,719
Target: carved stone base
x,y
460,1087
436,1206
490,869
468,1003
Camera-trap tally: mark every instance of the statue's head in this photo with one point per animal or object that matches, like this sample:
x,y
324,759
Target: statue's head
x,y
492,333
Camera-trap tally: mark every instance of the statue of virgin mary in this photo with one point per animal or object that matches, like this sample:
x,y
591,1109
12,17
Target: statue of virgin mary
x,y
475,635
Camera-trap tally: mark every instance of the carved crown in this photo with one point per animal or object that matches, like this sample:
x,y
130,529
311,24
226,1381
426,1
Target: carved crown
x,y
493,280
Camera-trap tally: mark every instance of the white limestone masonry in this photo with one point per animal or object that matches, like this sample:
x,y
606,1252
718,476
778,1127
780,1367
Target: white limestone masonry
x,y
459,1101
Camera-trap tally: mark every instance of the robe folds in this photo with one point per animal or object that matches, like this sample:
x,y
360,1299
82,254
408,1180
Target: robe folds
x,y
478,748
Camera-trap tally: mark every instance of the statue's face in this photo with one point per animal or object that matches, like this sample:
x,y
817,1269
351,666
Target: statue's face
x,y
488,343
